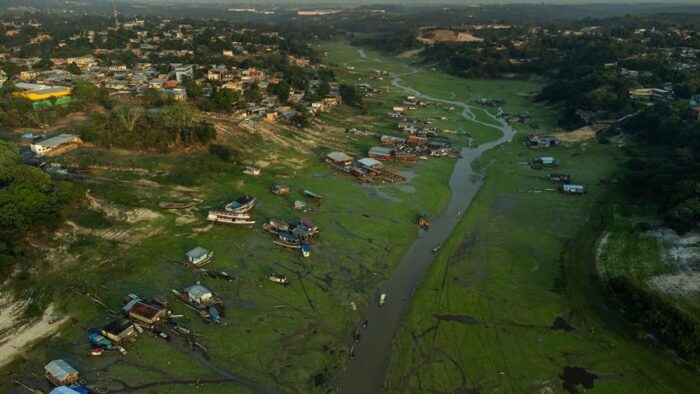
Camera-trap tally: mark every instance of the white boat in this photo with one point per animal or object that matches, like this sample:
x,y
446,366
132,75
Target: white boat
x,y
305,250
230,217
382,299
241,205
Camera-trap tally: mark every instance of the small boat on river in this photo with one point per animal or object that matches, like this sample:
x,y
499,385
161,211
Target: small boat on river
x,y
305,250
280,279
382,299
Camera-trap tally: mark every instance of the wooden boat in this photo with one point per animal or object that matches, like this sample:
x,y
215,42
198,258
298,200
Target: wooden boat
x,y
312,196
281,279
96,351
241,205
230,218
302,207
250,170
174,205
275,226
382,299
305,250
288,240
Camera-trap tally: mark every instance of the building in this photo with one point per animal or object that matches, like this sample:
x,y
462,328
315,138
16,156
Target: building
x,y
60,373
147,314
370,163
44,93
379,152
652,94
119,330
198,256
184,72
198,294
572,189
57,144
339,159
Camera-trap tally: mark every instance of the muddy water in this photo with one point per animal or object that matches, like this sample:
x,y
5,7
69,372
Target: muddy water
x,y
366,373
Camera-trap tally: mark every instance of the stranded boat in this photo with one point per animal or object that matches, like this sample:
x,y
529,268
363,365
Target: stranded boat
x,y
312,196
382,299
241,205
281,279
305,250
230,217
288,240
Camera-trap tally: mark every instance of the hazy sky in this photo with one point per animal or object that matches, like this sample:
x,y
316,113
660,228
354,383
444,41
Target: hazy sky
x,y
434,2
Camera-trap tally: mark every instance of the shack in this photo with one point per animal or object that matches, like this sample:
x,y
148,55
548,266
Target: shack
x,y
119,330
60,373
198,294
199,256
370,164
537,141
546,161
391,140
147,314
338,159
379,152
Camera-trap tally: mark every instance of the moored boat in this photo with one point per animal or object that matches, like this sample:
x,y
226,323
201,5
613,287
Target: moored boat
x,y
241,205
312,196
382,299
288,240
305,250
281,279
230,217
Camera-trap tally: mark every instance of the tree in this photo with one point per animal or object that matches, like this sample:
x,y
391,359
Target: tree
x,y
9,87
73,69
88,92
128,116
350,95
43,64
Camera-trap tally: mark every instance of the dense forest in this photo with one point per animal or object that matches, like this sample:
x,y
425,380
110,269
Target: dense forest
x,y
29,202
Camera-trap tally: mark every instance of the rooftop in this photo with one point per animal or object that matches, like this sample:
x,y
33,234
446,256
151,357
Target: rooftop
x,y
57,140
59,369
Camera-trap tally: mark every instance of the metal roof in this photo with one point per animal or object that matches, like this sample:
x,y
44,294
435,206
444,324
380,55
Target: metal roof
x,y
380,150
339,156
197,252
57,140
197,291
59,369
369,162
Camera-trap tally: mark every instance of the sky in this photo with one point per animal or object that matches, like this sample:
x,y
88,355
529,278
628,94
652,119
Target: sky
x,y
432,2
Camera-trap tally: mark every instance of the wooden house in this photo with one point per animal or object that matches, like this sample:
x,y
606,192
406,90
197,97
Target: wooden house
x,y
119,330
199,256
60,373
147,314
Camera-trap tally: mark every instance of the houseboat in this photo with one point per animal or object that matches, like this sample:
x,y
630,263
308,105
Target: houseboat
x,y
241,205
275,226
230,218
288,240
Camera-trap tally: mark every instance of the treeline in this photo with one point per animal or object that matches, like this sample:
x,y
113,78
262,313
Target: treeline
x,y
672,327
29,201
664,167
163,129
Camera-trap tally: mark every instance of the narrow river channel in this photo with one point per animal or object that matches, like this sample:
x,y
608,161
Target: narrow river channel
x,y
366,373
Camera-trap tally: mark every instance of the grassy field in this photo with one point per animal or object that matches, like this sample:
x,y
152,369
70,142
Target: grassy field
x,y
484,316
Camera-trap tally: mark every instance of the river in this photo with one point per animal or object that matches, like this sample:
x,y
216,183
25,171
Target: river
x,y
366,373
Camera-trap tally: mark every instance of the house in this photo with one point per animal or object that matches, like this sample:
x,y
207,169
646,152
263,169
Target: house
x,y
57,144
280,190
119,330
572,189
536,141
60,373
175,94
543,162
370,163
198,294
379,152
147,314
339,159
391,140
198,256
652,94
417,139
184,72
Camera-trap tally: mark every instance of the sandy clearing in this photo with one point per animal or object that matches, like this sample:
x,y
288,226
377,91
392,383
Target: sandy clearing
x,y
409,53
14,342
581,134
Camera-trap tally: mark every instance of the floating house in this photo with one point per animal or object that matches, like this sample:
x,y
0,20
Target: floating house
x,y
198,294
199,256
537,141
119,330
60,373
147,314
338,159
